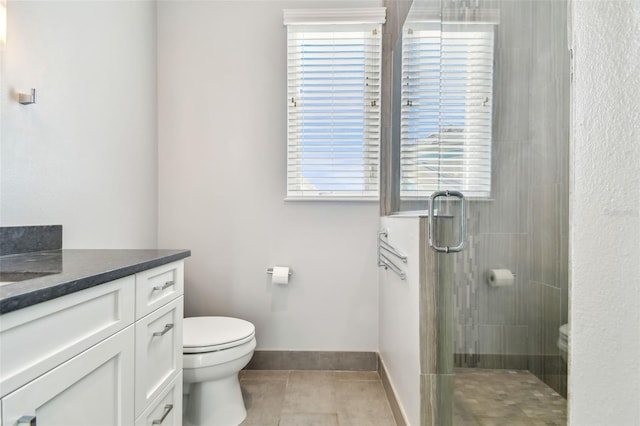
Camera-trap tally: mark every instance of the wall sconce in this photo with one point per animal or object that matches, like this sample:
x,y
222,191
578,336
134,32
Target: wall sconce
x,y
3,23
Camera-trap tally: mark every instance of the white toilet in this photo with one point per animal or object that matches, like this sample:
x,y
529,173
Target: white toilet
x,y
215,349
563,341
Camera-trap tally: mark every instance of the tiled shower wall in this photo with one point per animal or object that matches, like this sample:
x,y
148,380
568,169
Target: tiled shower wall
x,y
548,288
524,227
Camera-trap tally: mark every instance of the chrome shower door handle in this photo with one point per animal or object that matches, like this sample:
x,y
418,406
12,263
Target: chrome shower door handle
x,y
463,221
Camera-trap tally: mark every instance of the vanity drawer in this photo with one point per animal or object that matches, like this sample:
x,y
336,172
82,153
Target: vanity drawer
x,y
158,352
166,409
40,337
157,286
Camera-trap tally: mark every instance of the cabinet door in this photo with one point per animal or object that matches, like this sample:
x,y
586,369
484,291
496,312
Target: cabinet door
x,y
94,388
158,352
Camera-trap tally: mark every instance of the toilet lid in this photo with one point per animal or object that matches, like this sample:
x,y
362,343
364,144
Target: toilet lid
x,y
207,334
564,330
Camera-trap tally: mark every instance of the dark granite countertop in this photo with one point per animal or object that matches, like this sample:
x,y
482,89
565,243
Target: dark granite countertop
x,y
46,275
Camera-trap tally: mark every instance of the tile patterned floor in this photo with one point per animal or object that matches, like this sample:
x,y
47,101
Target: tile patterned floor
x,y
314,398
342,398
505,397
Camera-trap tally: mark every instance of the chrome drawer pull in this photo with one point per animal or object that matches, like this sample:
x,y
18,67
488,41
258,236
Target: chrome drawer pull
x,y
27,421
162,287
163,332
167,410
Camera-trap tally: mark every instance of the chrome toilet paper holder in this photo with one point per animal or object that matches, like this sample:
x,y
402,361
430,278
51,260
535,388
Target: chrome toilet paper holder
x,y
270,271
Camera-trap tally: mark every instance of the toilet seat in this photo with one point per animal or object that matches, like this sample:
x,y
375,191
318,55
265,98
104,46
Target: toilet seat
x,y
211,334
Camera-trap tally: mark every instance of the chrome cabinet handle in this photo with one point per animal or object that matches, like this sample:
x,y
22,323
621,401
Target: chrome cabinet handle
x,y
162,287
163,332
27,421
463,221
167,410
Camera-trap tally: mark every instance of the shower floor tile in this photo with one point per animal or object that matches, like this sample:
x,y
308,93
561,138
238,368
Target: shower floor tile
x,y
314,398
505,397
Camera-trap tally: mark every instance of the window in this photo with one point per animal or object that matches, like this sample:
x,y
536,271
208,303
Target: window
x,y
333,103
447,93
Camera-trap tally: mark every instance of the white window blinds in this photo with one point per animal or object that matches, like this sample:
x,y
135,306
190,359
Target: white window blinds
x,y
447,94
333,105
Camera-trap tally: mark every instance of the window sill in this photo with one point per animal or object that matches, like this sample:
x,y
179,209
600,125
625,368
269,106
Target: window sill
x,y
334,199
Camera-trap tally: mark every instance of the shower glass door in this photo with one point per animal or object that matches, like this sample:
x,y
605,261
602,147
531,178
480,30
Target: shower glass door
x,y
484,110
509,83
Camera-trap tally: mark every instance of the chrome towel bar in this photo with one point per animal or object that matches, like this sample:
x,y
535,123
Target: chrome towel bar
x,y
388,264
384,245
383,260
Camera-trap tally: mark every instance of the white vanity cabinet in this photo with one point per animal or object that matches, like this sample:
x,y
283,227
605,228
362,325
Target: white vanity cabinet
x,y
93,388
94,358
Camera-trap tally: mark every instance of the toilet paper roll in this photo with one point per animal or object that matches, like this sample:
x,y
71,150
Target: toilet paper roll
x,y
500,277
280,275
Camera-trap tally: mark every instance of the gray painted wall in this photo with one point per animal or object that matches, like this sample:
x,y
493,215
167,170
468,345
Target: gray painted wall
x,y
85,155
222,161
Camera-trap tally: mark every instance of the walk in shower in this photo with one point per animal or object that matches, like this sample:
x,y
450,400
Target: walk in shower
x,y
480,105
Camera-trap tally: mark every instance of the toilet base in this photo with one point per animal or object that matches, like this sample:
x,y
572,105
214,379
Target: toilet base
x,y
215,403
563,354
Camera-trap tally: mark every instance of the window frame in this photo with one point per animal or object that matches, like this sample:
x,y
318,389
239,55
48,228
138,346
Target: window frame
x,y
366,174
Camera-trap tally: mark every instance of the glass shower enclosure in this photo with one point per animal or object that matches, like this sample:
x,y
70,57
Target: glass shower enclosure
x,y
480,106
